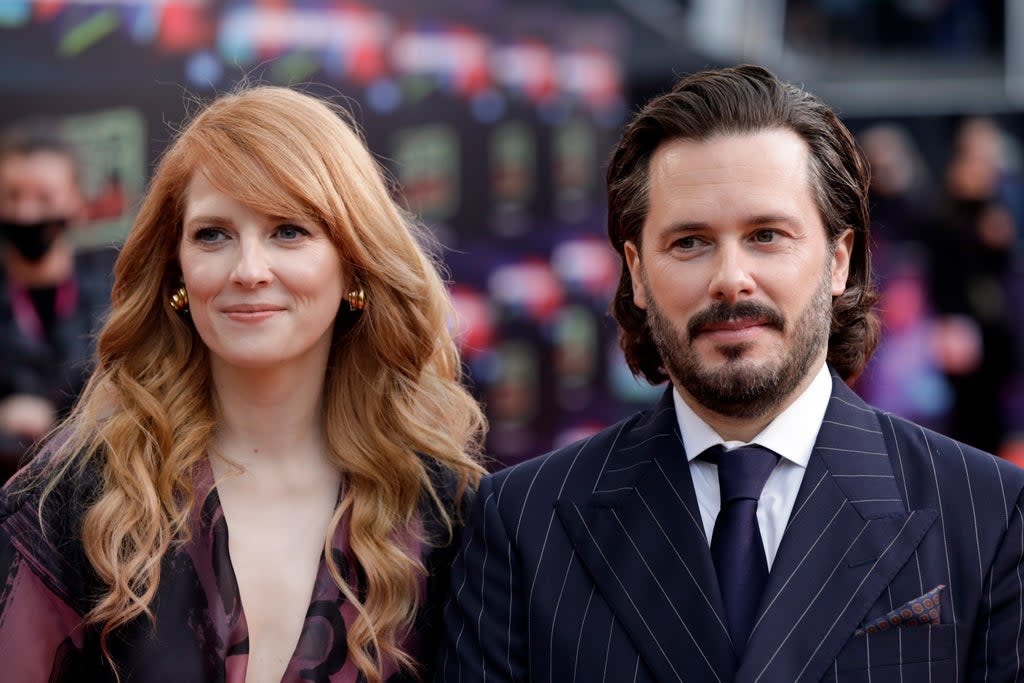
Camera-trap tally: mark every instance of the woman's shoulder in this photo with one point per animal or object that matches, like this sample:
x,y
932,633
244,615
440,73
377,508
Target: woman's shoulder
x,y
54,478
41,520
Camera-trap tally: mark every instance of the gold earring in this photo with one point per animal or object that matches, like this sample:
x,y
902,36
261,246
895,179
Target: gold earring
x,y
179,299
357,299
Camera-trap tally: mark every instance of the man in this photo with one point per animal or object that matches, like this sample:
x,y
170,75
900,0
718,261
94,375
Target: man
x,y
50,298
851,545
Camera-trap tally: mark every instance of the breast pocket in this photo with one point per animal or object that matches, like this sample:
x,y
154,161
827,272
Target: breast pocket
x,y
924,653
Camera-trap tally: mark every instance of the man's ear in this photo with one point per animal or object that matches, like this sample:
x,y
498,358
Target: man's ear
x,y
841,261
632,255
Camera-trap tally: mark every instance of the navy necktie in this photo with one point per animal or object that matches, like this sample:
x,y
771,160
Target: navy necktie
x,y
736,545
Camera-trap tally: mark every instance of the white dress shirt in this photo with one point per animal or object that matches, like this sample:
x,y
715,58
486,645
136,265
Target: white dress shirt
x,y
791,434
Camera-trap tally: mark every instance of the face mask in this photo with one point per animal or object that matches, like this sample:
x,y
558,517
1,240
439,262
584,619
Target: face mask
x,y
32,240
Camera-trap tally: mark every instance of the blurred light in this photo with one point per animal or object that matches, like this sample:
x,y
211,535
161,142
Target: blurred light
x,y
486,366
48,9
88,33
183,27
143,28
488,106
293,68
588,264
356,33
624,384
233,40
527,67
367,62
590,75
456,57
929,394
416,88
473,326
383,96
14,13
204,70
555,112
529,287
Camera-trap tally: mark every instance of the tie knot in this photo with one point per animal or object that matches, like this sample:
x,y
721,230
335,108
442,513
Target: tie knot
x,y
743,471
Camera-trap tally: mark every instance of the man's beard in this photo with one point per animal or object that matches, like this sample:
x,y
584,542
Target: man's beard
x,y
741,388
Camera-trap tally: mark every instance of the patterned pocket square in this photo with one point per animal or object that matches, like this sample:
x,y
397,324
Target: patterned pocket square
x,y
925,609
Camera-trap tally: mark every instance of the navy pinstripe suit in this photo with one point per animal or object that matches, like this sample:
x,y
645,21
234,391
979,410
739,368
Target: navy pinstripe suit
x,y
591,564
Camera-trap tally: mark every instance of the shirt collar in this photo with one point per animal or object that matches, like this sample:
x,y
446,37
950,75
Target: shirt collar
x,y
791,434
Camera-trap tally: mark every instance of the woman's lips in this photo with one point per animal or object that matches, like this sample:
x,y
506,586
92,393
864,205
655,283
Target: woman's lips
x,y
251,312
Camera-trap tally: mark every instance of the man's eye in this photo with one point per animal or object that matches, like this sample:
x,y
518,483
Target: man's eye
x,y
687,243
765,236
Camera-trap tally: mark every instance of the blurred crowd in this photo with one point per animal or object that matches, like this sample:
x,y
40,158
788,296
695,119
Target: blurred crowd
x,y
52,296
949,247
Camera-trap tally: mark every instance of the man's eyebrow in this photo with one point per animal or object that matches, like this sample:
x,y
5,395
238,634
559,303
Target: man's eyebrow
x,y
758,219
686,226
772,218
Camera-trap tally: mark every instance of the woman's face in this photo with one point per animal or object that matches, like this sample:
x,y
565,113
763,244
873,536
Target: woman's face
x,y
263,291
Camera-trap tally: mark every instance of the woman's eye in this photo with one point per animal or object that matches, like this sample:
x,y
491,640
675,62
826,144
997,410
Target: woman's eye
x,y
291,232
209,235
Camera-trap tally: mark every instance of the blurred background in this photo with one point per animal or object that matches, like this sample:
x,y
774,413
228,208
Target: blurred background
x,y
496,118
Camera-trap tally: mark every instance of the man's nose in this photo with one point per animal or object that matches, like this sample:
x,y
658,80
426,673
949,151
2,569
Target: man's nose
x,y
26,210
732,280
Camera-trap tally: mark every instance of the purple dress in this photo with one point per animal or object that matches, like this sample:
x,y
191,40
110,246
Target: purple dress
x,y
47,584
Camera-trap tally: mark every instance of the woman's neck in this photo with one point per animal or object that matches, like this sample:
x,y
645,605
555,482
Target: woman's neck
x,y
270,418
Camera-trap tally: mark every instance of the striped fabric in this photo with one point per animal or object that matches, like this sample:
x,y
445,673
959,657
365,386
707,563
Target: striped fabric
x,y
591,564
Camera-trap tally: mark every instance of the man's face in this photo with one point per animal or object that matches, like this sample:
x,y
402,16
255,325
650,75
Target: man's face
x,y
39,198
38,187
735,270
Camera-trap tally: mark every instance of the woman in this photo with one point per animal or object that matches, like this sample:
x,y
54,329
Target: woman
x,y
262,479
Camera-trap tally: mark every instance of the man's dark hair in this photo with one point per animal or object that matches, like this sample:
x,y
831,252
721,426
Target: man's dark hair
x,y
37,136
734,101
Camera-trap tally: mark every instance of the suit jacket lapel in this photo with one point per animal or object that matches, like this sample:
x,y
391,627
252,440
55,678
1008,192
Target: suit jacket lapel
x,y
641,538
848,535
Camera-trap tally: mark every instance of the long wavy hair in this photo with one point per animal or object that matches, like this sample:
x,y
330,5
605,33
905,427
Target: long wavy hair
x,y
735,101
396,413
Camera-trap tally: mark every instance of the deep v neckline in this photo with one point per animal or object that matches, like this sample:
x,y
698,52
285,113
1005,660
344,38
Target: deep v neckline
x,y
321,649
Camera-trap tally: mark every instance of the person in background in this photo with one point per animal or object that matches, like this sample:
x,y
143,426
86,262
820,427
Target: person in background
x,y
262,479
972,251
52,298
901,193
903,376
761,522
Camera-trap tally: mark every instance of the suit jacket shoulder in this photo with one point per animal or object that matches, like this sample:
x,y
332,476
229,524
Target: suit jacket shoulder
x,y
577,471
597,469
927,465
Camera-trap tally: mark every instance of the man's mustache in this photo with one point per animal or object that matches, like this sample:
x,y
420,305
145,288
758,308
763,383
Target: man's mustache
x,y
721,312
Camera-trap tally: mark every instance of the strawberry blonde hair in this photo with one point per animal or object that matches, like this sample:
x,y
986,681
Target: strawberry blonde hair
x,y
396,414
